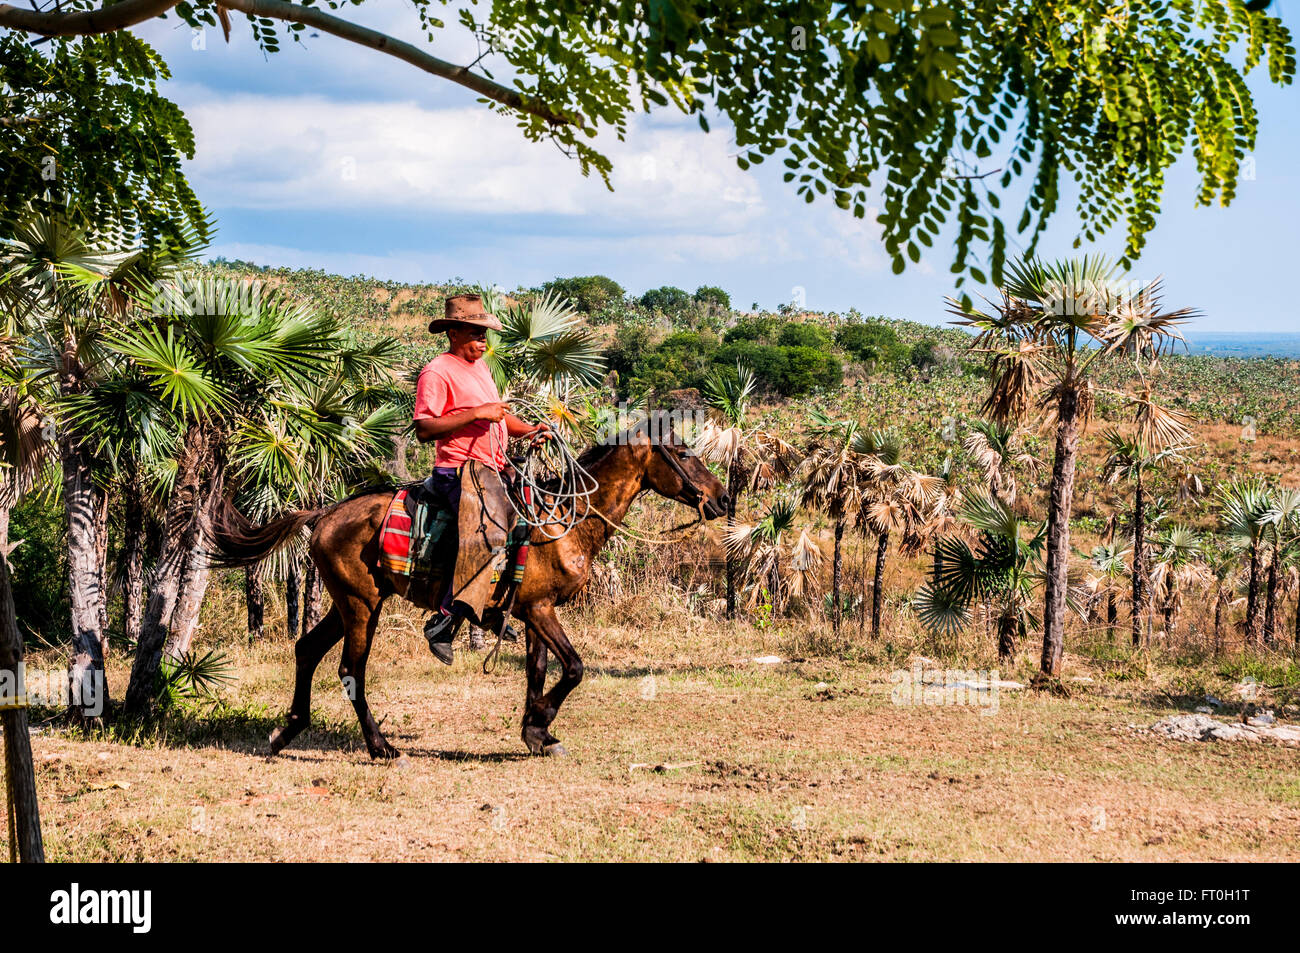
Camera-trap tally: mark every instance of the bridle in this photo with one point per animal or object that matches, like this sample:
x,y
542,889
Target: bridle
x,y
695,496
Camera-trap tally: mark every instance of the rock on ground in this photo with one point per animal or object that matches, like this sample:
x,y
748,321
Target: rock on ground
x,y
1204,728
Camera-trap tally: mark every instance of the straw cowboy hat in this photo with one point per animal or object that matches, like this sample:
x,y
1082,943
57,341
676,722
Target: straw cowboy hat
x,y
465,309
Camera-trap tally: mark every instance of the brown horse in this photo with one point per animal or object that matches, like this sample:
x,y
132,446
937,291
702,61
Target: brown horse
x,y
345,547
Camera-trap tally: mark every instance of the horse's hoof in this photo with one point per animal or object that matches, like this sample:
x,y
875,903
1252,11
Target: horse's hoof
x,y
386,754
278,741
556,750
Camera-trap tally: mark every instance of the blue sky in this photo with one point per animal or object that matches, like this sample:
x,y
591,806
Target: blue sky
x,y
328,155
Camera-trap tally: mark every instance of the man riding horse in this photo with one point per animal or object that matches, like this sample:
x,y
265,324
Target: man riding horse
x,y
457,404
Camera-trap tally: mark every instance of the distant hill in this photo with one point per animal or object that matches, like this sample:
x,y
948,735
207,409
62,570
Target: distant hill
x,y
1244,343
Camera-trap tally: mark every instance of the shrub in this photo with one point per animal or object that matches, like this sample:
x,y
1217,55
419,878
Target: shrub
x,y
713,297
762,330
872,343
667,299
588,294
804,335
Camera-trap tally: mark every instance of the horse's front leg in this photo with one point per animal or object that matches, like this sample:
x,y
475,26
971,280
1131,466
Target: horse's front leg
x,y
545,633
536,737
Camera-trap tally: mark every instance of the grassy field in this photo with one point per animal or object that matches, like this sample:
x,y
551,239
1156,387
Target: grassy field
x,y
683,748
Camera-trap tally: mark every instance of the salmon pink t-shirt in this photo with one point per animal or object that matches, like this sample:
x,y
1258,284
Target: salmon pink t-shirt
x,y
450,383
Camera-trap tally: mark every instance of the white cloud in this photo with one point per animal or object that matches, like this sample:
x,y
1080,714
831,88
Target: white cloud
x,y
310,153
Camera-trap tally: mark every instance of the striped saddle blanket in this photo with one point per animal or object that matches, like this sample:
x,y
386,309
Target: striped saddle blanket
x,y
406,543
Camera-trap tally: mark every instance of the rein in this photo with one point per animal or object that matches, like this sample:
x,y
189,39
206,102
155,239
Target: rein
x,y
687,482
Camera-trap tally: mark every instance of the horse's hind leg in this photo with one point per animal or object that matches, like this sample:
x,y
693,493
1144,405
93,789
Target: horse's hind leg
x,y
360,622
308,651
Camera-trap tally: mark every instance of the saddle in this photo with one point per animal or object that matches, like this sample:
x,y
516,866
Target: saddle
x,y
422,539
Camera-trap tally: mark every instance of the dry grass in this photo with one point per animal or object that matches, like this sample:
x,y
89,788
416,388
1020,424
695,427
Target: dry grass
x,y
754,761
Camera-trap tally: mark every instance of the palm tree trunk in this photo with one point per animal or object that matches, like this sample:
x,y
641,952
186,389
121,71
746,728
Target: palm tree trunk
x,y
17,742
194,585
400,470
1270,601
837,577
86,668
1252,596
256,601
293,597
1139,560
1008,625
731,521
311,597
198,482
878,583
1112,614
1058,532
1168,608
101,500
1297,621
133,556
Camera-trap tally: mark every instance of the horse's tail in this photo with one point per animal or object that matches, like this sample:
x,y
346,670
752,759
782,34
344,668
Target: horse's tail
x,y
236,541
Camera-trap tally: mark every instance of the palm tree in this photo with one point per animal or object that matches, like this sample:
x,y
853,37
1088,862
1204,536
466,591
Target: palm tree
x,y
772,558
1177,563
1054,323
897,501
1283,519
1002,571
1244,508
1131,459
832,483
1109,564
998,449
215,363
753,457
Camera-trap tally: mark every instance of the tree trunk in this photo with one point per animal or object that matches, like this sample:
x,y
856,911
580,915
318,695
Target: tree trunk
x,y
400,470
1008,625
101,501
1270,601
837,577
731,521
878,583
256,600
311,597
1252,596
86,668
1112,614
1297,621
194,585
1139,560
1058,532
293,597
1218,615
17,742
133,557
1169,608
198,481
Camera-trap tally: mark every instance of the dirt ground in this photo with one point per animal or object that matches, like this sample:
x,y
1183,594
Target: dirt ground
x,y
681,748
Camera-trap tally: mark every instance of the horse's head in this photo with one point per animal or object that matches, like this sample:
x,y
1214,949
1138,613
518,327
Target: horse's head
x,y
672,469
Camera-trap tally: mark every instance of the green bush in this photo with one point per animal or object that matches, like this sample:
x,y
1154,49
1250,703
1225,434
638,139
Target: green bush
x,y
683,359
588,294
872,343
667,299
713,297
804,335
760,329
809,369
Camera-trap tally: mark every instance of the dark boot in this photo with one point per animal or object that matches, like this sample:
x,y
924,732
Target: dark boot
x,y
440,631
